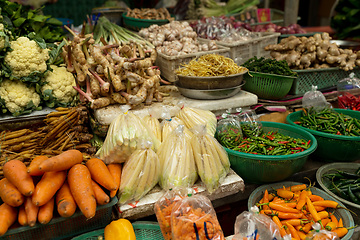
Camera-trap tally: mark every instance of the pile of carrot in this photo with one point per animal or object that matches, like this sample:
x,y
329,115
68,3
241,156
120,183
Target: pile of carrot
x,y
59,184
295,209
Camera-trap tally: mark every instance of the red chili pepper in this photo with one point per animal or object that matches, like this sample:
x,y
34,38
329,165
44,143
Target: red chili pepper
x,y
297,122
338,133
283,142
270,137
309,142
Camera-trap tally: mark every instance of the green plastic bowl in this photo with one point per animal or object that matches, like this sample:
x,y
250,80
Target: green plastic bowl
x,y
137,24
325,183
348,220
259,169
268,86
331,147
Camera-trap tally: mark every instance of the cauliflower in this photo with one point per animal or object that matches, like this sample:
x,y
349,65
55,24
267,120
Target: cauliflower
x,y
17,95
26,57
2,39
61,82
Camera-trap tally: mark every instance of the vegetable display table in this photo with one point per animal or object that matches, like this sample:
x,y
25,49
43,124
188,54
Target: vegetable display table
x,y
145,206
105,115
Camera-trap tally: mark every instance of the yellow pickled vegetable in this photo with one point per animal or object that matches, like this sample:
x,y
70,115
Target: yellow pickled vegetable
x,y
120,229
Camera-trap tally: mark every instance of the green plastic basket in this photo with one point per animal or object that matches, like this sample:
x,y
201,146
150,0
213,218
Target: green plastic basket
x,y
137,24
322,78
144,230
259,169
332,147
268,86
348,220
63,228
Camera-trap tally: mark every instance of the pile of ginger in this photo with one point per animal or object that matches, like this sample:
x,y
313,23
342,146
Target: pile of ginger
x,y
313,52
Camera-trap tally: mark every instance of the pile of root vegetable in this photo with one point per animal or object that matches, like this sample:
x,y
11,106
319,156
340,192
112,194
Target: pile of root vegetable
x,y
313,52
149,13
62,130
113,70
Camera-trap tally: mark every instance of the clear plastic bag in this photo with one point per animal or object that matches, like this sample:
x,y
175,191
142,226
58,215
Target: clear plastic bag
x,y
195,218
250,123
163,208
314,100
228,131
349,93
212,161
153,125
177,160
140,174
124,136
194,116
317,233
253,225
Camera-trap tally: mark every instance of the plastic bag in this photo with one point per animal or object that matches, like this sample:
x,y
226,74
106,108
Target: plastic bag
x,y
212,161
314,100
153,125
124,136
250,124
228,131
140,174
177,160
169,124
255,226
349,93
317,233
195,218
193,116
164,206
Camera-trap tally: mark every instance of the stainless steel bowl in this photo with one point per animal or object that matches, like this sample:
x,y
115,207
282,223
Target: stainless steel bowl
x,y
209,94
216,82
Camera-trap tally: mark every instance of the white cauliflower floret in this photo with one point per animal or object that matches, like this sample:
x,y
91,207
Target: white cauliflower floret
x,y
26,57
61,82
17,95
2,39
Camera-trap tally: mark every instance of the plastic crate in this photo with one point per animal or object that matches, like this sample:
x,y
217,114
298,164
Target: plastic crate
x,y
168,64
64,228
268,86
143,231
322,78
241,51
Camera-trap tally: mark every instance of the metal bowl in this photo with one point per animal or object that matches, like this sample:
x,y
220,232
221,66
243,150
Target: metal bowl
x,y
346,43
209,94
216,82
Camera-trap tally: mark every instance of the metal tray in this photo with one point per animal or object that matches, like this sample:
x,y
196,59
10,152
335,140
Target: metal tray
x,y
216,82
209,94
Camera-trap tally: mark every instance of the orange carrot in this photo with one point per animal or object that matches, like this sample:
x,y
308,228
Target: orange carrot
x,y
341,231
79,180
312,210
302,200
283,215
15,171
48,185
265,200
282,208
115,171
280,225
101,197
61,162
293,222
327,204
65,202
8,216
293,231
22,218
296,188
100,174
10,194
31,211
33,168
46,212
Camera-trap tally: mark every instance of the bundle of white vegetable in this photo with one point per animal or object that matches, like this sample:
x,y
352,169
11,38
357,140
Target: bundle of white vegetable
x,y
154,125
140,174
212,161
193,116
177,160
124,136
168,125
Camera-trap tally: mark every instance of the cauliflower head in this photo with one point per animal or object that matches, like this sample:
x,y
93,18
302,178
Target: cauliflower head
x,y
2,39
26,57
17,95
61,82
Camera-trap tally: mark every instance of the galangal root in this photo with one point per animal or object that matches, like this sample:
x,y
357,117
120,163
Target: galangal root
x,y
313,52
113,73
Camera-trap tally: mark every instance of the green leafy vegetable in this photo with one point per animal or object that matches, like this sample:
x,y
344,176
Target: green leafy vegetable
x,y
269,65
346,20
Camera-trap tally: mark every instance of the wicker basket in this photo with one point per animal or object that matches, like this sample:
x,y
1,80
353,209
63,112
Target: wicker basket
x,y
241,51
322,78
168,64
63,228
268,86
